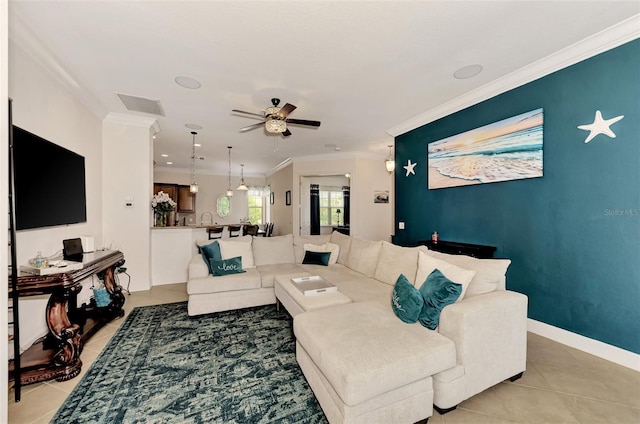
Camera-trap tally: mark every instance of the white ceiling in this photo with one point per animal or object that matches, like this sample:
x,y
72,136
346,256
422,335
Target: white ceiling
x,y
359,67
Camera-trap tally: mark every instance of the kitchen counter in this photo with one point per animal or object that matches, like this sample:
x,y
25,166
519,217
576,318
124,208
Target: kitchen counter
x,y
171,250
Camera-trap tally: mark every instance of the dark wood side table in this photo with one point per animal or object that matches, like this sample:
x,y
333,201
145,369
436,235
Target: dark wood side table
x,y
57,355
454,248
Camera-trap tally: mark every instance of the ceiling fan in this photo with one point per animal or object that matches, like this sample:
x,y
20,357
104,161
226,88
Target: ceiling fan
x,y
276,119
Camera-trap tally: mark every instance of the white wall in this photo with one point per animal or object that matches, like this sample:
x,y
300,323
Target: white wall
x,y
368,220
281,214
44,107
128,174
4,93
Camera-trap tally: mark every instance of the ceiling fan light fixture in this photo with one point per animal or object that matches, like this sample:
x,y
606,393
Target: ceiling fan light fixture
x,y
275,126
271,111
389,163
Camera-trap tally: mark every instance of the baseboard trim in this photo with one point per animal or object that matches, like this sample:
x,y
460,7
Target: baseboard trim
x,y
594,347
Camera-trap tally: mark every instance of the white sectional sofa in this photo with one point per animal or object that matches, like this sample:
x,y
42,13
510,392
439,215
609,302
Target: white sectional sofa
x,y
362,362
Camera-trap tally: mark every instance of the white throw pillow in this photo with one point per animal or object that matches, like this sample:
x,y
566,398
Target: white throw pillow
x,y
363,256
344,241
490,273
238,247
300,241
427,264
334,249
395,260
273,250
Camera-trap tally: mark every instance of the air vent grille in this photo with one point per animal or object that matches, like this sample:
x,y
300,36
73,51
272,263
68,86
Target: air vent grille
x,y
140,104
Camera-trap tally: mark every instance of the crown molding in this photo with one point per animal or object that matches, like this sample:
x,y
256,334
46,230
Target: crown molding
x,y
24,38
279,167
340,155
621,33
138,121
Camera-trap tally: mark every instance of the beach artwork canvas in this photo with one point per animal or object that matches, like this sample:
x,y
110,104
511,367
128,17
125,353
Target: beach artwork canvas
x,y
506,150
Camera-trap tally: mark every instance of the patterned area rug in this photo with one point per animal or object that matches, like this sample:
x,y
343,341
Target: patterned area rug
x,y
164,367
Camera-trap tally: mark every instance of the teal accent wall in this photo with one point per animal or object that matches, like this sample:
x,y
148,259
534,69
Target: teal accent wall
x,y
573,235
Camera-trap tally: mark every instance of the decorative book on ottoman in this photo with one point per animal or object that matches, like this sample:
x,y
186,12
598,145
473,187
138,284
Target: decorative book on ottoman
x,y
313,285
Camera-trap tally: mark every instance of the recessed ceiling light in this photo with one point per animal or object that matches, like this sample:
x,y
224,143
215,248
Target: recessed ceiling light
x,y
193,126
337,148
467,71
331,146
187,82
197,144
164,155
169,163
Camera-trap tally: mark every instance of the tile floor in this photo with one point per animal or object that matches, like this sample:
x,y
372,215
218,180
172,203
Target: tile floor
x,y
561,384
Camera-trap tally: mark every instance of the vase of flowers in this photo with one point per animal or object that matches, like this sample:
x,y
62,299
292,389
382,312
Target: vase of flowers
x,y
162,204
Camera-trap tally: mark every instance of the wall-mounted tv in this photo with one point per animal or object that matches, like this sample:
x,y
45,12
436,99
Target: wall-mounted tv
x,y
49,183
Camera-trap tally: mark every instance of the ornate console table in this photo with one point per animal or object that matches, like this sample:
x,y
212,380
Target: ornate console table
x,y
57,355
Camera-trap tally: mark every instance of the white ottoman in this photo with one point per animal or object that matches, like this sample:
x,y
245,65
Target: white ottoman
x,y
295,302
364,365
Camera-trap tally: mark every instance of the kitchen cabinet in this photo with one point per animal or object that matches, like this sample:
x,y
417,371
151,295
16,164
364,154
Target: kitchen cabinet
x,y
170,189
186,199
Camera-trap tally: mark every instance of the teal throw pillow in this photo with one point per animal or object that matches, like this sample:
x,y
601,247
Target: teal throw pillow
x,y
210,251
437,291
226,266
406,300
316,258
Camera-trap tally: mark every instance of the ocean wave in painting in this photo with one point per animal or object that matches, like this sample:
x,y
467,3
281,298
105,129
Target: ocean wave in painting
x,y
512,156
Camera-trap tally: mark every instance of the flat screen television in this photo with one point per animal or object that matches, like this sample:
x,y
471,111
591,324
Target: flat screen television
x,y
49,183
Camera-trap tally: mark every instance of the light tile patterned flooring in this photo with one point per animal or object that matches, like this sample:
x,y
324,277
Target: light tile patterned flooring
x,y
561,384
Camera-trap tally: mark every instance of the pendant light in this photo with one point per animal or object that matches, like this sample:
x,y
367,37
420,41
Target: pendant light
x,y
229,191
193,188
242,186
389,163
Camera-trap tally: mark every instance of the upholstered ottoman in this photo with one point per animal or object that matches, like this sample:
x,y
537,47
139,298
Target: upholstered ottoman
x,y
296,303
364,365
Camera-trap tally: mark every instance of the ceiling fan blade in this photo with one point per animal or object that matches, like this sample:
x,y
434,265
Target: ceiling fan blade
x,y
286,133
303,122
248,113
286,110
250,127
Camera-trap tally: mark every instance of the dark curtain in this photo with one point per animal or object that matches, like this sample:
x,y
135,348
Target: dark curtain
x,y
345,201
315,209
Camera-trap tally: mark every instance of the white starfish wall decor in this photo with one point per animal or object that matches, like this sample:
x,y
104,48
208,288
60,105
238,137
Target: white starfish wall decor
x,y
409,168
600,126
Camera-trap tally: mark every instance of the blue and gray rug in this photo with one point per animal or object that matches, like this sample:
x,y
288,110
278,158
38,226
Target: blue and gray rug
x,y
164,367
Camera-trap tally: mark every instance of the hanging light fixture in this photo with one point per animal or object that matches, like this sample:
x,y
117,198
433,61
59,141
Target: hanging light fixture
x,y
229,191
242,186
389,163
193,188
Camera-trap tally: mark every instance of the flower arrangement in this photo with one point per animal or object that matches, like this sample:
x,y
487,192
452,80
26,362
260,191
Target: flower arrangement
x,y
161,202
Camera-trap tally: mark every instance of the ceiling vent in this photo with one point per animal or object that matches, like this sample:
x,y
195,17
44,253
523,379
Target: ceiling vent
x,y
139,104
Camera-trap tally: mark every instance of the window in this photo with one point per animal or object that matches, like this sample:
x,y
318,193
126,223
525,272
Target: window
x,y
331,206
256,199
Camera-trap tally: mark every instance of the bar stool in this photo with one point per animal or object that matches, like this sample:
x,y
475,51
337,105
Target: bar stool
x,y
234,230
215,232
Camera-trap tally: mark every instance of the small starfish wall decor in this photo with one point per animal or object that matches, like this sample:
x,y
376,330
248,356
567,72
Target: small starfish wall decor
x,y
409,167
600,126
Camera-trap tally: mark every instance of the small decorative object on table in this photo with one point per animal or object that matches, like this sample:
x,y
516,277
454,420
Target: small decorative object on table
x,y
435,237
162,204
39,261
